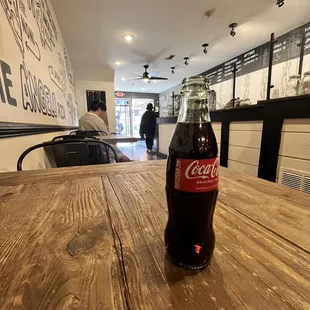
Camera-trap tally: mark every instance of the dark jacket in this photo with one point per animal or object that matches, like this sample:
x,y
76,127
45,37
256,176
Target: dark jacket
x,y
148,124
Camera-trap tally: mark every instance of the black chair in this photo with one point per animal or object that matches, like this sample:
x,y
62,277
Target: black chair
x,y
72,137
88,133
75,152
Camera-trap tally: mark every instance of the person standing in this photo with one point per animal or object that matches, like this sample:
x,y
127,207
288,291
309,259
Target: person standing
x,y
148,127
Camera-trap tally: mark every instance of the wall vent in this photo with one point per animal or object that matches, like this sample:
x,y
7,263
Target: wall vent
x,y
306,186
298,180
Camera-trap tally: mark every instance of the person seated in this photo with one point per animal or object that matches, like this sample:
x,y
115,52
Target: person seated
x,y
95,120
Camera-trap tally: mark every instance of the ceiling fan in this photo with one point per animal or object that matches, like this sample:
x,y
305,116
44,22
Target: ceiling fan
x,y
147,78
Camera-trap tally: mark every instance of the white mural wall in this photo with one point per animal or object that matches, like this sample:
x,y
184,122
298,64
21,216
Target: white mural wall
x,y
36,78
252,71
253,86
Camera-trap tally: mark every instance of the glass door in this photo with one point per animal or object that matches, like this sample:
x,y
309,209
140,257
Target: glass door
x,y
138,109
123,116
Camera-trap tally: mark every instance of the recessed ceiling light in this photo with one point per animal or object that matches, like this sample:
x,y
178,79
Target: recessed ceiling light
x,y
123,79
128,37
142,88
118,63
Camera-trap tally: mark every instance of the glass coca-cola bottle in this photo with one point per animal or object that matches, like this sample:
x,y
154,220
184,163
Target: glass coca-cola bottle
x,y
192,180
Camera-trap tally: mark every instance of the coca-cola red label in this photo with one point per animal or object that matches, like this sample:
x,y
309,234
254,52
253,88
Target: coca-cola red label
x,y
196,176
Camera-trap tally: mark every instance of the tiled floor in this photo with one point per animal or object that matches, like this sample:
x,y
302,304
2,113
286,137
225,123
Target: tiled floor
x,y
136,151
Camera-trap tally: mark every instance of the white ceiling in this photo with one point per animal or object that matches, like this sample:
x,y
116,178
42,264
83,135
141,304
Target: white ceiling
x,y
93,32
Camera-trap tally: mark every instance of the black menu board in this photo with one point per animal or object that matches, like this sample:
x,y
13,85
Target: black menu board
x,y
286,48
295,43
280,49
307,38
215,75
251,61
229,67
264,59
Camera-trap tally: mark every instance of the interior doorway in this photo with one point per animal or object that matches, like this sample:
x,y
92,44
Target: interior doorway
x,y
129,113
138,109
123,116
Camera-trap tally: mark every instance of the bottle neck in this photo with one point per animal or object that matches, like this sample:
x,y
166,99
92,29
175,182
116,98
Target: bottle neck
x,y
194,110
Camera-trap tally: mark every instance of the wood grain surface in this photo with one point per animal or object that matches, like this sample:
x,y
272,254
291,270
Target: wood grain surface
x,y
96,242
45,175
119,139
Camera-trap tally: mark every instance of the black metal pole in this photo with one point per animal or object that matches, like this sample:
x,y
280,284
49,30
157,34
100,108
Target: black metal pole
x,y
234,84
302,52
173,103
269,86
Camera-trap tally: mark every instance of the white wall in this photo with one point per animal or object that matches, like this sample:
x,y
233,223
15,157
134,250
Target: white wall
x,y
36,78
252,85
294,155
244,146
12,148
165,101
295,145
108,87
166,131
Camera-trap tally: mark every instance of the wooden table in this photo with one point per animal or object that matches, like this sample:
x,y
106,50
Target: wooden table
x,y
92,238
113,139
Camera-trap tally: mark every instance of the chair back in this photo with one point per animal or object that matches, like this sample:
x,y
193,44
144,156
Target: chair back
x,y
72,137
75,152
88,133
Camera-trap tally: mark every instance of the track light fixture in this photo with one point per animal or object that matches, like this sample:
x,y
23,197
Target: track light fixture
x,y
172,70
233,27
205,47
280,3
186,60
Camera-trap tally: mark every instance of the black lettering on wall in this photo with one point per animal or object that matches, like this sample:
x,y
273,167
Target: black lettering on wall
x,y
42,97
22,7
1,91
59,75
61,111
47,100
33,83
46,25
23,34
54,105
15,12
33,28
55,77
62,72
27,30
11,10
37,97
72,109
69,71
26,99
6,70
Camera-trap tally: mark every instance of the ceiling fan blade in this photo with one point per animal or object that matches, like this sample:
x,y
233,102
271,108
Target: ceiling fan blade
x,y
158,78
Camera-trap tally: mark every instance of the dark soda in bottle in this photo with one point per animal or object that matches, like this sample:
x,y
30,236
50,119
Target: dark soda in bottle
x,y
192,180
